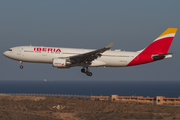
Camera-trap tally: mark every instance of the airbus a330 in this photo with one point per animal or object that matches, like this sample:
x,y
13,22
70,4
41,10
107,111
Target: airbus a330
x,y
71,57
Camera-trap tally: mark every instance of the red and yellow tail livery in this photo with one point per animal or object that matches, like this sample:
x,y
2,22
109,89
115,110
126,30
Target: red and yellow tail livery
x,y
157,49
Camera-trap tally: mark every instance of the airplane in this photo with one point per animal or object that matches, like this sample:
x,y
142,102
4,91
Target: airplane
x,y
71,57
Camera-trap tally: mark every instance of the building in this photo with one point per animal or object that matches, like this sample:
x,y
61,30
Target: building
x,y
159,100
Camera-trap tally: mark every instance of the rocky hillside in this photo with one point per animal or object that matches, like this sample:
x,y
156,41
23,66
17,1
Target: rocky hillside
x,y
58,108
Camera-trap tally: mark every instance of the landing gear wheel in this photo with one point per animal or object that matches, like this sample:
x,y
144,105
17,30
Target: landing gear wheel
x,y
83,70
89,73
86,71
21,66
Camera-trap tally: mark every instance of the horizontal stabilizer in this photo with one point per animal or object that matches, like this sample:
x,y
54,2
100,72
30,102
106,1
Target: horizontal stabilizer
x,y
162,56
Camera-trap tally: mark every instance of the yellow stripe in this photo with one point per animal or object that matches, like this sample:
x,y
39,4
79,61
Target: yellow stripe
x,y
168,31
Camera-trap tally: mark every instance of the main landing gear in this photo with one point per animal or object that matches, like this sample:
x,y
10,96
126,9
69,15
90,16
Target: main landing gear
x,y
21,66
86,71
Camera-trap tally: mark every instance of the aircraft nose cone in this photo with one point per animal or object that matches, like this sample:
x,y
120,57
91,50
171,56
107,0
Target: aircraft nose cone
x,y
5,53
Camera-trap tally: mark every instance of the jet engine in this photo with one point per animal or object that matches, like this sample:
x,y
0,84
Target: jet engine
x,y
60,63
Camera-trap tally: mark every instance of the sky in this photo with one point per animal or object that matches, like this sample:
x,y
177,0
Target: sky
x,y
131,24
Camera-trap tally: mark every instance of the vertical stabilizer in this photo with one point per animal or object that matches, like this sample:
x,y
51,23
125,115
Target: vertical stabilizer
x,y
161,44
157,50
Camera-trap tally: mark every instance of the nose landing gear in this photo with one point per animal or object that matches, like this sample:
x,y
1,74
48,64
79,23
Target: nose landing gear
x,y
21,66
86,71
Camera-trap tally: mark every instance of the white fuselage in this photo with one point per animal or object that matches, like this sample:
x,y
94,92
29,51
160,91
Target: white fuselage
x,y
40,54
71,57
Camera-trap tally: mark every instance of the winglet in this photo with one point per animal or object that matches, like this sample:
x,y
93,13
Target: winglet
x,y
109,46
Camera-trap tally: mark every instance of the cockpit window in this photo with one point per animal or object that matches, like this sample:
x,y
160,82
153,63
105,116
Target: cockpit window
x,y
10,50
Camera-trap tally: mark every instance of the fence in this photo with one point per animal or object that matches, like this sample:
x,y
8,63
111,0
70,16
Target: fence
x,y
48,95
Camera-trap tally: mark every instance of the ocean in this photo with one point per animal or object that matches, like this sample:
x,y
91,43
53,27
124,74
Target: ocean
x,y
96,88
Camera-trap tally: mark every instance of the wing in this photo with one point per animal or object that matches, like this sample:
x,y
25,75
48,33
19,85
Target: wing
x,y
89,56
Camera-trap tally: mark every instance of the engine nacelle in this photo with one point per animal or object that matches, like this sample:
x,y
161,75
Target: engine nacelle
x,y
60,63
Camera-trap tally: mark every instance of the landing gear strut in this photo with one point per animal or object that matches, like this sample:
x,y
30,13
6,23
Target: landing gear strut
x,y
86,71
21,66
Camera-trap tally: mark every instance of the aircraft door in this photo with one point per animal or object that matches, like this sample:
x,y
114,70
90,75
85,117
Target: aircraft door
x,y
19,51
137,58
44,53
